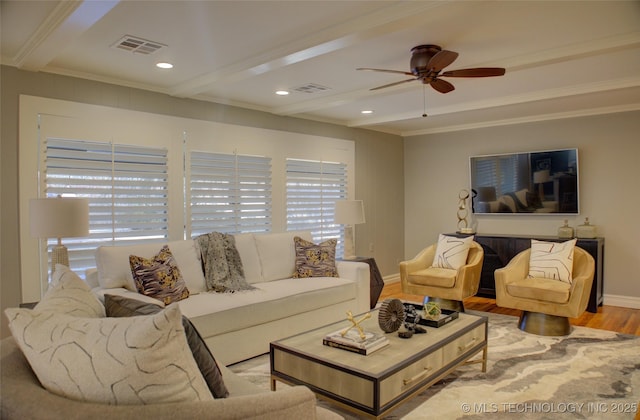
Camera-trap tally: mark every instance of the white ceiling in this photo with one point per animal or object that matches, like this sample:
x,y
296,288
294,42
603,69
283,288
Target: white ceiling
x,y
562,58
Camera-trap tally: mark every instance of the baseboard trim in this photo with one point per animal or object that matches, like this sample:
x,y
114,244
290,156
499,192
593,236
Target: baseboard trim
x,y
622,301
393,278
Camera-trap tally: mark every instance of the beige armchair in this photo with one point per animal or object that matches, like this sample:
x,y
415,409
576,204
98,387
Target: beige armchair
x,y
547,304
445,286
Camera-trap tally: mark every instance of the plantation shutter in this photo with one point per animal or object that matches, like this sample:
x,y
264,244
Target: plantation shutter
x,y
490,169
126,187
229,193
313,187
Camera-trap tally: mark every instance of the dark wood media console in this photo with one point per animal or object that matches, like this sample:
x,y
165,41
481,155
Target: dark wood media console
x,y
500,249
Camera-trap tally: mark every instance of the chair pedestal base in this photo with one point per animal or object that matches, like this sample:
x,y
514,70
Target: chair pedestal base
x,y
544,324
453,305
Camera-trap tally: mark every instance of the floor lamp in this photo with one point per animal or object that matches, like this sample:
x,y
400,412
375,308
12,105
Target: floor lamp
x,y
349,213
59,217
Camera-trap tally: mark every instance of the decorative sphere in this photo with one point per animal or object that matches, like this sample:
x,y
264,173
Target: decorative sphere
x,y
432,310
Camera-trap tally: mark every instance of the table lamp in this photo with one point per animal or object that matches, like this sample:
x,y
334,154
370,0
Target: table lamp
x,y
59,217
541,177
349,213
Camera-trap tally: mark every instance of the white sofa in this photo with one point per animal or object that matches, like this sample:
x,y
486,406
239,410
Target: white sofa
x,y
237,326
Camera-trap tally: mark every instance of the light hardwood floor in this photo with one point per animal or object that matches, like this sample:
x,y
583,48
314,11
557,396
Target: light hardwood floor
x,y
612,318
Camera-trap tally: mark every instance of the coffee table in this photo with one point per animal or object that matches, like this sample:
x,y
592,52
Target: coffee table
x,y
375,384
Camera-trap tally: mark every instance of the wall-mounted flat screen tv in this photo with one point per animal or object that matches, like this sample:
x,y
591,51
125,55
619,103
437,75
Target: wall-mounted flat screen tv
x,y
544,182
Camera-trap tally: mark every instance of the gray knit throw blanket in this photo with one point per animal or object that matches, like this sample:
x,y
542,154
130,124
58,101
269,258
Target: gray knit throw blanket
x,y
221,263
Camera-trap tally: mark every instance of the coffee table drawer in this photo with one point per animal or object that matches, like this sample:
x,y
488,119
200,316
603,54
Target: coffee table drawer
x,y
414,374
464,343
331,379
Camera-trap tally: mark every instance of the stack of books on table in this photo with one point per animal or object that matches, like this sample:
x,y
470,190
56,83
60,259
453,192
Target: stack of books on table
x,y
352,341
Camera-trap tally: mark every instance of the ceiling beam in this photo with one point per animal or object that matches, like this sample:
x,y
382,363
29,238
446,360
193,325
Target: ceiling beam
x,y
387,20
67,21
540,95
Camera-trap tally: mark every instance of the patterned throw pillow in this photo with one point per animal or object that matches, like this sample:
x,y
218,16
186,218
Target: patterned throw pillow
x,y
159,277
70,295
120,306
117,361
552,260
315,260
451,252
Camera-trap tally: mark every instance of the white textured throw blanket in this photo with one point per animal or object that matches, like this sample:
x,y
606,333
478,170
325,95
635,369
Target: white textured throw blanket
x,y
221,262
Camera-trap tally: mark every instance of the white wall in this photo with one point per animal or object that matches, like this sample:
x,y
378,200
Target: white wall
x,y
437,167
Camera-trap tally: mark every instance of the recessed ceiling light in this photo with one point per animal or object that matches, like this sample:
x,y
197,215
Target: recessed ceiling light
x,y
366,111
282,92
164,65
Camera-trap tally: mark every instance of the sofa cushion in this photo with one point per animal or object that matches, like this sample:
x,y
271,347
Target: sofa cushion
x,y
277,254
451,251
119,306
70,295
120,361
552,260
246,246
159,277
216,313
315,260
114,271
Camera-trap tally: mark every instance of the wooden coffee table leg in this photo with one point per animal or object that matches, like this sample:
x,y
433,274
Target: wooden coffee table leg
x,y
273,384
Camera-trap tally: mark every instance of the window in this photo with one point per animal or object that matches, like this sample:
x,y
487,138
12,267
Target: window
x,y
162,148
126,187
499,172
229,193
313,187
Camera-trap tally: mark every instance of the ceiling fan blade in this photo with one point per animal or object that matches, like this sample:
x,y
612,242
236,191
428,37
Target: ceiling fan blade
x,y
393,84
442,86
477,72
441,60
385,71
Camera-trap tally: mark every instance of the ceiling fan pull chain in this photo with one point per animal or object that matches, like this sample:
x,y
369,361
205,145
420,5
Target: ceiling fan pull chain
x,y
424,101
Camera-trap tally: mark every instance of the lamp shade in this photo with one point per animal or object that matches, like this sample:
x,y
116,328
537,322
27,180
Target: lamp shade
x,y
540,177
349,212
60,217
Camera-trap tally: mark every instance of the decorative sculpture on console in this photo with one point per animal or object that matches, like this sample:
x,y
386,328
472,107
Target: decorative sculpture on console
x,y
463,225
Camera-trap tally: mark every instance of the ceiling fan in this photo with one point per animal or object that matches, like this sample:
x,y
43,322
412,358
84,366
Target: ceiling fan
x,y
427,61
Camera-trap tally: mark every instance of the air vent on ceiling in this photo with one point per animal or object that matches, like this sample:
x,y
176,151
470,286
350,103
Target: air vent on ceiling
x,y
311,88
138,45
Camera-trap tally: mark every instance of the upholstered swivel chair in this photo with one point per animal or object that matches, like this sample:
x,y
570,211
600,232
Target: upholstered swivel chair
x,y
447,287
547,304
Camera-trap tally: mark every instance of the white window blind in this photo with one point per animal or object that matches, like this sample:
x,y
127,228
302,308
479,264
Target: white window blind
x,y
499,172
126,187
229,193
313,187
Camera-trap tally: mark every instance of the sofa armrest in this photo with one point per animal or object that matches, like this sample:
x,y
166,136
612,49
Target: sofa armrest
x,y
358,272
24,398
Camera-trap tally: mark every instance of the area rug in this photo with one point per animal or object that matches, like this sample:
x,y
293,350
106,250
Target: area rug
x,y
590,373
